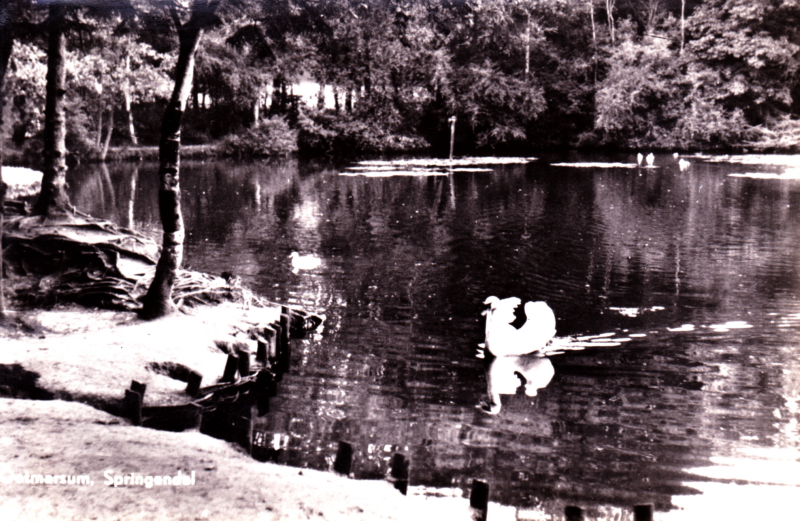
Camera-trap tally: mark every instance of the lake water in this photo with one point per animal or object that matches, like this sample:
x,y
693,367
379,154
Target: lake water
x,y
684,287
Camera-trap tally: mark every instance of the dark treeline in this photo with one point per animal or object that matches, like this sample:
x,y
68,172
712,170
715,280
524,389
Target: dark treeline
x,y
517,74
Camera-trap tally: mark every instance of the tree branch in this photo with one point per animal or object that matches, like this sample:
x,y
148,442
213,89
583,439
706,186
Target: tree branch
x,y
176,19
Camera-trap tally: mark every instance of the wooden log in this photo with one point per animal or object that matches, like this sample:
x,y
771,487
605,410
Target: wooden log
x,y
132,406
479,500
344,459
573,513
193,383
643,512
231,366
399,472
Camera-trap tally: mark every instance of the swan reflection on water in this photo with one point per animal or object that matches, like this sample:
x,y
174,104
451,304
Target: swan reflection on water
x,y
507,374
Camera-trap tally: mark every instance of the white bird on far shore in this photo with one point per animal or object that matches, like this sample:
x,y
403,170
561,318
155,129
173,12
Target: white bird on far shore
x,y
650,159
639,159
683,164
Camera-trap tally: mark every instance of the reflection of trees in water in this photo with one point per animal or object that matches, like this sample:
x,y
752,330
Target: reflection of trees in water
x,y
117,192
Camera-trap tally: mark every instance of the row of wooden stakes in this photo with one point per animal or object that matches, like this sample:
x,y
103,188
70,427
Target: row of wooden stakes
x,y
271,361
479,493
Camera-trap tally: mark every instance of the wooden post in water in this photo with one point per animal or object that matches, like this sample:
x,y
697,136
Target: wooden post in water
x,y
276,351
479,500
572,513
262,350
138,387
344,459
243,352
193,383
271,334
133,406
399,473
643,512
231,366
286,348
264,388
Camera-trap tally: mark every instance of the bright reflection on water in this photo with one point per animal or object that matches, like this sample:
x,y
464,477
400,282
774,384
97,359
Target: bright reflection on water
x,y
695,273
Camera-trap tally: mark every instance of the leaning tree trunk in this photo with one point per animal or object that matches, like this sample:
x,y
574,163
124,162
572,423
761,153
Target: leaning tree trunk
x,y
53,197
104,152
6,44
158,300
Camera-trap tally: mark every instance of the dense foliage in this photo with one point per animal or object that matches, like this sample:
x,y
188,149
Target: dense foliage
x,y
517,74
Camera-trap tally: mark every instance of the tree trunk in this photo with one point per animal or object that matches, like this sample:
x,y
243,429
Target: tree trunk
x,y
6,44
104,153
99,137
610,15
53,197
126,93
278,105
256,110
158,300
594,39
367,74
683,23
321,96
528,46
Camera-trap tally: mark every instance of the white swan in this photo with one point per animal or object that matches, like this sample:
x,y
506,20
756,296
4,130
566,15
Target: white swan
x,y
683,164
304,262
639,159
650,159
503,339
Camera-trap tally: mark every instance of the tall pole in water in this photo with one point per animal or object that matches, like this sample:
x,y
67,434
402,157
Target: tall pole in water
x,y
452,121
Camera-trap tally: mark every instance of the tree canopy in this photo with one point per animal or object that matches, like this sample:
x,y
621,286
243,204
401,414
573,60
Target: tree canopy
x,y
686,74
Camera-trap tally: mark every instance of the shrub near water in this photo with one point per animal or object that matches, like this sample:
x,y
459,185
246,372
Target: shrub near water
x,y
270,137
362,133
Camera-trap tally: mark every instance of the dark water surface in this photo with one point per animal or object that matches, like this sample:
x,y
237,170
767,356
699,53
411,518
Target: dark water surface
x,y
696,274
